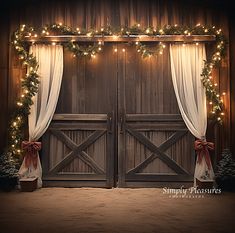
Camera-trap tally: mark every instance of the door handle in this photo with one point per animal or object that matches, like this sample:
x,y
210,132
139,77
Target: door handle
x,y
122,123
110,121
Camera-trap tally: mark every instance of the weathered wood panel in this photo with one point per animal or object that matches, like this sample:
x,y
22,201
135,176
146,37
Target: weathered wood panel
x,y
78,154
88,85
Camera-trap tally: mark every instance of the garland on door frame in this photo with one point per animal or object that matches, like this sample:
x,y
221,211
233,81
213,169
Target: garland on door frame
x,y
30,82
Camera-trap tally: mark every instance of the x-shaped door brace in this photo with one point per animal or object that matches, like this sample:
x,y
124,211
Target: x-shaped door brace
x,y
77,151
157,152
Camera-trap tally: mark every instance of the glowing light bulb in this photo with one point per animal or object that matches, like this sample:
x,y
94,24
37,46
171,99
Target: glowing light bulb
x,y
115,50
123,50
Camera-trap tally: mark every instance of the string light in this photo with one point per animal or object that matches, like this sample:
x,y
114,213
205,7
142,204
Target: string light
x,y
30,84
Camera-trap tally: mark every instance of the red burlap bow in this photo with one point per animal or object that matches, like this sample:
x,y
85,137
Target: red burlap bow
x,y
202,148
31,149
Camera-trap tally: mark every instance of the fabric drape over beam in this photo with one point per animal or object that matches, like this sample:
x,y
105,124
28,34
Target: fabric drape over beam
x,y
50,61
187,61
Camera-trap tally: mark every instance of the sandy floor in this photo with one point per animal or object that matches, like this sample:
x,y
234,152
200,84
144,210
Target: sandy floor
x,y
81,210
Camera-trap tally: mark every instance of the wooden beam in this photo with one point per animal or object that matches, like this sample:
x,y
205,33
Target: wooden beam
x,y
130,38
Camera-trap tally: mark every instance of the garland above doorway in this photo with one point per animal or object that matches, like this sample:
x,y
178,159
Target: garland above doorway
x,y
30,82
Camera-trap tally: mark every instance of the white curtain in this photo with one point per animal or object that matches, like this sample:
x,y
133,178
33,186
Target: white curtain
x,y
186,67
50,61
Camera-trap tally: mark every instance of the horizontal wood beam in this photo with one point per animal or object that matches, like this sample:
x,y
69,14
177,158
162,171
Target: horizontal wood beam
x,y
130,38
80,117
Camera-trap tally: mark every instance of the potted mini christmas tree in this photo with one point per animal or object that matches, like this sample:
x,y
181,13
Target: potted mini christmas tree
x,y
225,175
8,172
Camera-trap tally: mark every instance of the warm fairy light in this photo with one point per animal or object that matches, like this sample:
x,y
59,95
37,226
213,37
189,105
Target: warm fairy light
x,y
47,33
222,113
160,52
218,118
216,84
99,42
43,31
74,55
206,30
197,44
53,43
99,48
35,35
210,103
161,31
176,25
183,45
123,50
186,32
102,29
147,30
224,93
77,29
89,34
60,24
137,42
163,46
138,25
115,50
14,123
85,53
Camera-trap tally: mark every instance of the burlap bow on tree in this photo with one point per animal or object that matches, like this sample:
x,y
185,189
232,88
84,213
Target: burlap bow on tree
x,y
202,148
31,149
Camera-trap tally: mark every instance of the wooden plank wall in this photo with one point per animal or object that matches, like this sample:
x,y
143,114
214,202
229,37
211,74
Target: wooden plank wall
x,y
92,13
4,25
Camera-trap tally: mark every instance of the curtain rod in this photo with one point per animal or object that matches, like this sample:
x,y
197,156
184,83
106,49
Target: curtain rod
x,y
129,38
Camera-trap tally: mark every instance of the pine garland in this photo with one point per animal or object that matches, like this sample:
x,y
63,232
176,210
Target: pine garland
x,y
30,81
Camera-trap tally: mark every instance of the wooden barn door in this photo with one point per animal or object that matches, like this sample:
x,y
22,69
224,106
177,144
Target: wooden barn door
x,y
154,146
79,145
117,123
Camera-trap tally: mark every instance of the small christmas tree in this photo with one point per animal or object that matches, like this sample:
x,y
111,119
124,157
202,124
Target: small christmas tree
x,y
225,175
8,172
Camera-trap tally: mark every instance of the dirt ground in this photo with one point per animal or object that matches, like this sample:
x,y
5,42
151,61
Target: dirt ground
x,y
82,210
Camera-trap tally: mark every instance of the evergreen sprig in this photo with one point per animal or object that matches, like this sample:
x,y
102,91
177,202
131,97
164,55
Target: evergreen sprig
x,y
30,82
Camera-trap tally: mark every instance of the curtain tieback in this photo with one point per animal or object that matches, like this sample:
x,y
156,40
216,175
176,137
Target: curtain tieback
x,y
31,149
202,148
